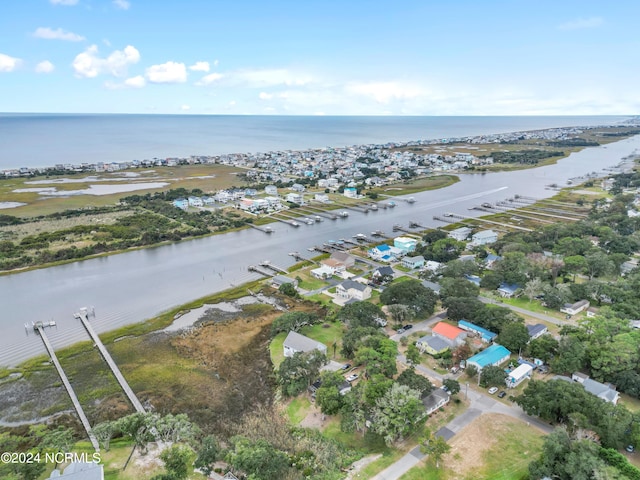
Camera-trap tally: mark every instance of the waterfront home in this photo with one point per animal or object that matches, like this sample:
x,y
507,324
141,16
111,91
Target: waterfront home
x,y
295,198
493,355
350,192
279,280
321,197
343,258
449,333
575,308
335,265
413,262
350,289
484,237
297,343
195,201
381,253
406,244
460,234
323,272
382,274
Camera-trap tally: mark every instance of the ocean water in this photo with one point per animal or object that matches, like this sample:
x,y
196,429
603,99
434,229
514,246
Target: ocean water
x,y
37,140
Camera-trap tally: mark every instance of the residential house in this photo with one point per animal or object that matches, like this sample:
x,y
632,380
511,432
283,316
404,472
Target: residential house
x,y
280,280
507,291
431,285
295,343
406,244
432,265
413,262
537,330
606,392
450,333
484,237
344,259
323,272
493,355
336,266
297,187
519,375
271,190
80,471
592,312
182,203
475,279
350,192
295,198
490,260
433,345
321,197
382,274
351,289
195,201
575,308
435,400
474,329
382,253
460,234
344,388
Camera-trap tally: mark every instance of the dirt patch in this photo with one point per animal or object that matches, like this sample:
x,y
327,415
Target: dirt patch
x,y
314,419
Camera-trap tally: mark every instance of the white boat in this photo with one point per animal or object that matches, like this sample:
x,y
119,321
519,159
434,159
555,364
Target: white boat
x,y
344,214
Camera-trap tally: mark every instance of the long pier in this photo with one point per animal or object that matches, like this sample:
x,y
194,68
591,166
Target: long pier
x,y
268,264
72,395
266,229
83,316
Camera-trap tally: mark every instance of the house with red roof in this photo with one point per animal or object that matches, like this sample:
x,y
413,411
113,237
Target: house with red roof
x,y
449,333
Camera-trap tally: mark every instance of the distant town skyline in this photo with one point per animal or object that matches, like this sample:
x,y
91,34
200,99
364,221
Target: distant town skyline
x,y
409,57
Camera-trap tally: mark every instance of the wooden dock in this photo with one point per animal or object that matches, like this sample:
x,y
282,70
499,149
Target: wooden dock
x,y
275,268
266,229
83,316
265,273
72,395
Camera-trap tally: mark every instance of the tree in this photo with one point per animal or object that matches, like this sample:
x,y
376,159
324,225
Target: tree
x,y
292,321
378,358
358,336
434,445
598,264
458,287
208,453
459,308
491,280
544,347
492,376
328,396
453,386
139,427
399,313
259,459
513,267
415,381
288,289
176,459
413,354
397,413
514,336
533,288
575,264
297,372
360,314
459,268
571,355
471,371
104,432
418,298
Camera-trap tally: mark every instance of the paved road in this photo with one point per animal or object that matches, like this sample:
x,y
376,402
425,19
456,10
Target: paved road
x,y
480,404
539,316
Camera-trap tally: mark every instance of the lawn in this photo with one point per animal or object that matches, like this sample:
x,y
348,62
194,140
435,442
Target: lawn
x,y
493,447
298,409
328,334
277,350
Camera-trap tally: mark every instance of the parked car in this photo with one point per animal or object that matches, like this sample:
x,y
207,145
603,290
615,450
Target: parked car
x,y
502,394
401,330
455,369
408,326
629,448
352,377
492,390
346,366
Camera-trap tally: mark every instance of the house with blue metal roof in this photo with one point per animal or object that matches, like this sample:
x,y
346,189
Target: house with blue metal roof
x,y
493,355
506,290
483,333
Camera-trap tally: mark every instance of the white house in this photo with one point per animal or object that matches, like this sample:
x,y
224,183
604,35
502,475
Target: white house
x,y
435,400
350,192
406,244
519,375
271,190
296,342
537,330
295,198
575,308
460,234
350,289
484,237
321,197
323,272
413,262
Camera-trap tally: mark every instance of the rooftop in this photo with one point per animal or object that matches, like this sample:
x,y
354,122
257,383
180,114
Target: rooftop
x,y
446,330
489,356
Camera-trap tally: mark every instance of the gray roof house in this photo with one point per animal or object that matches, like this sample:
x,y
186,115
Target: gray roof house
x,y
433,345
607,392
295,343
80,471
436,399
536,330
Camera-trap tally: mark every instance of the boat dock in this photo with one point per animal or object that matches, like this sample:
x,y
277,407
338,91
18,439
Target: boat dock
x,y
268,264
266,229
83,316
455,218
39,327
261,271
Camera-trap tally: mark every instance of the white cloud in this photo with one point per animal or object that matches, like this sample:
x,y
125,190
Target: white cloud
x,y
122,4
581,23
265,96
89,65
57,34
185,108
45,67
135,82
209,79
9,64
170,72
384,92
269,78
200,67
215,63
64,2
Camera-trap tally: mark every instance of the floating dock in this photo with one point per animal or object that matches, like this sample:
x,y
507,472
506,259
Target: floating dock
x,y
83,316
39,327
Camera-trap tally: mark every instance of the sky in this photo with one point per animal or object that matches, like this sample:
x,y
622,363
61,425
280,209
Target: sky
x,y
309,57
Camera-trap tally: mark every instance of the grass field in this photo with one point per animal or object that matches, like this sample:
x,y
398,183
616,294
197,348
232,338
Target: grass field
x,y
493,447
